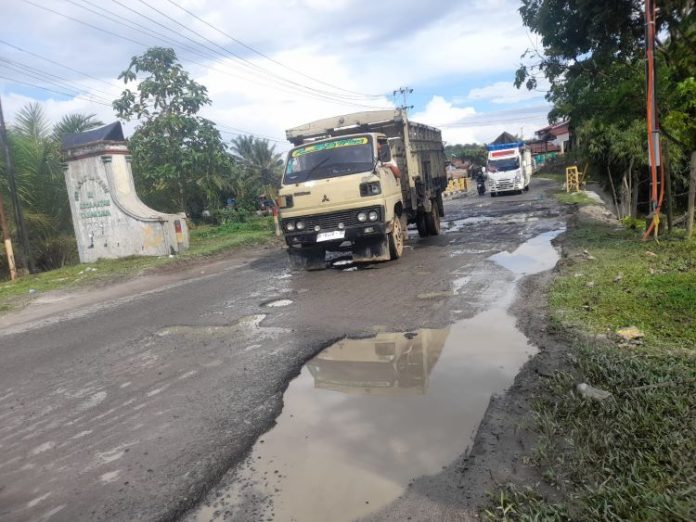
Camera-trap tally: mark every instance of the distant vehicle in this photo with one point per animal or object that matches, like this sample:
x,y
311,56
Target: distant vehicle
x,y
509,167
354,182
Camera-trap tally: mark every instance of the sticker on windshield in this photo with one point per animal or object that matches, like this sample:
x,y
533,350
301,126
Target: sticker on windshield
x,y
348,142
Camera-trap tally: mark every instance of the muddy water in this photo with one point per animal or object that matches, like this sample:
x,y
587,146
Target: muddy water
x,y
366,416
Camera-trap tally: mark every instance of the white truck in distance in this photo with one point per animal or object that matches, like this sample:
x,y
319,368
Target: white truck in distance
x,y
509,167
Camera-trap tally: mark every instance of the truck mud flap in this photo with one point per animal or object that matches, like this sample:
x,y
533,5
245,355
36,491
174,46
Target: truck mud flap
x,y
309,259
371,251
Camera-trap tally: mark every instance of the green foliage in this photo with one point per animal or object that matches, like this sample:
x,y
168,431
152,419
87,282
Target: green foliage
x,y
179,158
260,169
593,55
473,152
36,154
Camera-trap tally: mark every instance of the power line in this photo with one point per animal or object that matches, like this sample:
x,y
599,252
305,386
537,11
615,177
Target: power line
x,y
246,46
70,95
46,76
322,97
54,62
239,58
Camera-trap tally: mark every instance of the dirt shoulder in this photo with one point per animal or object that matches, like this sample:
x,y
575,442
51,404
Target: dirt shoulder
x,y
31,309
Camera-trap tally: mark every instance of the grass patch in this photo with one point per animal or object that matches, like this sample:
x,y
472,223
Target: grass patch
x,y
574,198
632,456
204,241
626,285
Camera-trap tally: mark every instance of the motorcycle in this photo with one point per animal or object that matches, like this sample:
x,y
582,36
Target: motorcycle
x,y
481,184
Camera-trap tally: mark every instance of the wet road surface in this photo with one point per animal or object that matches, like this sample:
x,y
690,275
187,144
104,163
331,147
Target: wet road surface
x,y
163,405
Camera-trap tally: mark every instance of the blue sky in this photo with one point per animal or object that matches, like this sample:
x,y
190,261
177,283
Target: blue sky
x,y
315,58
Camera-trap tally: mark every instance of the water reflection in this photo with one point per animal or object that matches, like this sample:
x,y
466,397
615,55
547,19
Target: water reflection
x,y
388,364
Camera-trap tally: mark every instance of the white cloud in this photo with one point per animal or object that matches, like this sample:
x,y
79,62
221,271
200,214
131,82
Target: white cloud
x,y
466,125
360,45
506,92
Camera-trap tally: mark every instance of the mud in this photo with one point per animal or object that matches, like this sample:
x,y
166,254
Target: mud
x,y
417,397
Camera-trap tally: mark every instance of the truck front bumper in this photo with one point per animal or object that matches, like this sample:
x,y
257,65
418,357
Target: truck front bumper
x,y
352,234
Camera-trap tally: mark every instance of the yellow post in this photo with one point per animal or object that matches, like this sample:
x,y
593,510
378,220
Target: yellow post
x,y
572,179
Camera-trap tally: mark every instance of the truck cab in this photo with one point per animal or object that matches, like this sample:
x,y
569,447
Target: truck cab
x,y
509,168
352,188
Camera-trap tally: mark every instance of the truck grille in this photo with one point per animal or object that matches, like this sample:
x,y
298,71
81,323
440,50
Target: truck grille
x,y
331,220
504,184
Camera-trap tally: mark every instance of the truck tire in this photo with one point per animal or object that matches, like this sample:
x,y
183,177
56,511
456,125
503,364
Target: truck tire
x,y
421,224
307,258
396,240
432,220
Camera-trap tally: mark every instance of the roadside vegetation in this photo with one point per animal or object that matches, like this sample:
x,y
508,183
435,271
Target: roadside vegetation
x,y
622,446
193,170
205,240
630,456
574,198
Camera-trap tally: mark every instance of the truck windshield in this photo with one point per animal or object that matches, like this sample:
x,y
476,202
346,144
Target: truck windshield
x,y
503,165
328,159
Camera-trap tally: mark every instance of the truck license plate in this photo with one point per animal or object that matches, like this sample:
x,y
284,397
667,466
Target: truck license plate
x,y
330,236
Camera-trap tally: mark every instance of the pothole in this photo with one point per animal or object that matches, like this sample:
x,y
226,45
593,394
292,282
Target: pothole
x,y
278,303
367,416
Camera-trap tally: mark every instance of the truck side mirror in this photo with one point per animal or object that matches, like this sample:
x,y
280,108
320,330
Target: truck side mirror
x,y
384,153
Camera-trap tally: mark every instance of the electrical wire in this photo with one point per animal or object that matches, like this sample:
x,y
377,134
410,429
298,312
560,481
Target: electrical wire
x,y
249,64
259,53
127,38
22,82
20,49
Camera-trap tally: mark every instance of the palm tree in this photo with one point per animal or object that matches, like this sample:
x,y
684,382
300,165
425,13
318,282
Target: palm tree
x,y
35,148
74,123
259,161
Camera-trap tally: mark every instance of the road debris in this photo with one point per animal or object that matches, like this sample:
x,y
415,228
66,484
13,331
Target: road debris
x,y
590,392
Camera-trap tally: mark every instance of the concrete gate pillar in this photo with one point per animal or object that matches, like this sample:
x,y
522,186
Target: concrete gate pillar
x,y
109,219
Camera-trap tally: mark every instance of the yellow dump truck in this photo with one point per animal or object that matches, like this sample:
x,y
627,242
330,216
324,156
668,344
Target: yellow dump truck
x,y
354,182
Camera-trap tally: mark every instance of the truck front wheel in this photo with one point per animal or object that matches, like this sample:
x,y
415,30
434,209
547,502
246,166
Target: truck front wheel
x,y
396,239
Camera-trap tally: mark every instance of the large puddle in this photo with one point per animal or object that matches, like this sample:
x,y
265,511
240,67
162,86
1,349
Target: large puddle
x,y
367,416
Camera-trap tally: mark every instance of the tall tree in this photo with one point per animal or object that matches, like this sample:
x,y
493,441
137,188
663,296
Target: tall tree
x,y
259,160
178,156
593,55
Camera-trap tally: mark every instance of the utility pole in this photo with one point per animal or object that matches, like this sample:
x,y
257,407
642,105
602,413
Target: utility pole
x,y
19,215
403,92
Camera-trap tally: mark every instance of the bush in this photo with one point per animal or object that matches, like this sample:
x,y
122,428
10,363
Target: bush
x,y
55,252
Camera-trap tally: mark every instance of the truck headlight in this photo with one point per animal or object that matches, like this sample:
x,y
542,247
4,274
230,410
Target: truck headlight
x,y
300,225
373,215
289,226
362,217
372,188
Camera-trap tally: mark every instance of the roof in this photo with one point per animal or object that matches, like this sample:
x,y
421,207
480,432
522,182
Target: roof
x,y
555,129
505,137
111,132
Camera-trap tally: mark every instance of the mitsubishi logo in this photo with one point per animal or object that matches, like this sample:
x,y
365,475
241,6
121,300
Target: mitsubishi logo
x,y
325,199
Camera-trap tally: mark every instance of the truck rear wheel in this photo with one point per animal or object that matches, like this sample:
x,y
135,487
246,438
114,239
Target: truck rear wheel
x,y
432,220
422,226
396,239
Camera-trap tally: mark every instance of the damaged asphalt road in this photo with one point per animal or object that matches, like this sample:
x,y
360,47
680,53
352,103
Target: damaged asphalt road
x,y
159,406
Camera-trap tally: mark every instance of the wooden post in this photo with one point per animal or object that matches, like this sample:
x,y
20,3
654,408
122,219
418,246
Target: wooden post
x,y
692,196
8,242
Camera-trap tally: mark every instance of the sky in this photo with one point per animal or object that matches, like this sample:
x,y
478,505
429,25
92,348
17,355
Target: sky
x,y
270,65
